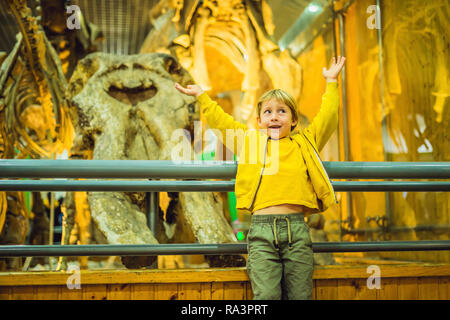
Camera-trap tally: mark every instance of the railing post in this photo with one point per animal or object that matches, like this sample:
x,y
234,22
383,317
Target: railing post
x,y
152,204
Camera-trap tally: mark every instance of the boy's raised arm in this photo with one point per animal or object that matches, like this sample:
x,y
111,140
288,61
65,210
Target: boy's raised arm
x,y
213,113
215,116
326,121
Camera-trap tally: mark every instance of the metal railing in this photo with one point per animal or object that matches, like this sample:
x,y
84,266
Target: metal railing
x,y
165,169
207,249
159,169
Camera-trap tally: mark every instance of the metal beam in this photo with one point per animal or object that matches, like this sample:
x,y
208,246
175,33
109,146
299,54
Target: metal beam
x,y
165,169
143,169
117,185
387,170
208,249
390,186
204,186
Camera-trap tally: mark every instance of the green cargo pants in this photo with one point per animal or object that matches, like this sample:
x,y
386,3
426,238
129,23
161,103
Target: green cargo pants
x,y
280,257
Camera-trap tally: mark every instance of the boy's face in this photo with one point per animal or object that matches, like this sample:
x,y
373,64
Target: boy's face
x,y
276,117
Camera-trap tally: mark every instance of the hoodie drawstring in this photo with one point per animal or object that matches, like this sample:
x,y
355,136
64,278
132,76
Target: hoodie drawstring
x,y
276,236
275,233
289,232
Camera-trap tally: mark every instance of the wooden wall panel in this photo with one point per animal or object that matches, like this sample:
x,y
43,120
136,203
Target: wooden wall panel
x,y
5,293
166,291
23,293
407,289
327,289
206,291
234,291
250,291
189,291
94,292
217,291
118,292
362,292
444,288
70,294
428,288
388,290
347,289
330,283
47,293
142,291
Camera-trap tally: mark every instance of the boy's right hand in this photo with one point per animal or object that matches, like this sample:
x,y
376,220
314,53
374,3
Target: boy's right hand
x,y
191,90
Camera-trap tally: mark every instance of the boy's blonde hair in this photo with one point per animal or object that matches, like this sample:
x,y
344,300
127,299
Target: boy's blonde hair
x,y
283,97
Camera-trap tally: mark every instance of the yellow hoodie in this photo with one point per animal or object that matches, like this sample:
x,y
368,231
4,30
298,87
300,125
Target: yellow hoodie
x,y
317,193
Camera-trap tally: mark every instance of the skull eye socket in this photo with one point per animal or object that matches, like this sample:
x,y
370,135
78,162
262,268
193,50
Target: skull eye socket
x,y
172,66
132,95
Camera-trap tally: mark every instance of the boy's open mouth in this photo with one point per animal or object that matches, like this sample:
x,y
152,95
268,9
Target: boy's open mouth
x,y
274,127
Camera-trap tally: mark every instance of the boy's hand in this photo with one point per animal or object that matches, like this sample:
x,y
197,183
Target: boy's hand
x,y
336,67
191,90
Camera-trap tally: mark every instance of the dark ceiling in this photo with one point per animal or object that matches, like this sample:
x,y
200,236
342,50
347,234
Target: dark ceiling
x,y
125,23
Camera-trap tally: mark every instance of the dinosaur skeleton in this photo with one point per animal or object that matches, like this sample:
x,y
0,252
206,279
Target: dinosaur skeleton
x,y
34,119
32,83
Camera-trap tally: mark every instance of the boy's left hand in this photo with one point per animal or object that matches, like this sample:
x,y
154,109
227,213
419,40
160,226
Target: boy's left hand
x,y
336,67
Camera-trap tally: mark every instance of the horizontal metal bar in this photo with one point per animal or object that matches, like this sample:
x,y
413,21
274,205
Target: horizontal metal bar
x,y
203,186
388,170
165,169
390,186
141,169
419,228
367,246
118,185
208,249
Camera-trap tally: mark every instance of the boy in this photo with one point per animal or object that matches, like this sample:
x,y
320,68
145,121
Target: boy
x,y
280,257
